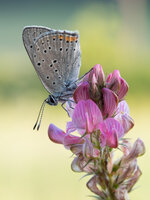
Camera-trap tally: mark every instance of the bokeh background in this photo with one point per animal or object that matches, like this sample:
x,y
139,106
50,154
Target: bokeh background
x,y
115,34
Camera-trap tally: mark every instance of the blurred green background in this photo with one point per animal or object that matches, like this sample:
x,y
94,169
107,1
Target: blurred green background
x,y
112,33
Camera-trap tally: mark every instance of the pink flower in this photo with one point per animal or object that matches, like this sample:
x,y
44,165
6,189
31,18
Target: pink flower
x,y
92,185
123,116
111,131
82,92
101,117
97,71
117,84
110,102
138,149
60,137
113,81
76,144
87,118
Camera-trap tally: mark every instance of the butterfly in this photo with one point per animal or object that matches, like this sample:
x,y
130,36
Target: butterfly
x,y
56,57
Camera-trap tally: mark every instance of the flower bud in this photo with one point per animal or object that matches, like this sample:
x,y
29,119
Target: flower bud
x,y
99,75
113,81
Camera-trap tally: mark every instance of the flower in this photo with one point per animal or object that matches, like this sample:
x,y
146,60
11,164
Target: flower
x,y
82,92
60,137
98,73
86,117
111,131
110,102
117,84
101,117
122,115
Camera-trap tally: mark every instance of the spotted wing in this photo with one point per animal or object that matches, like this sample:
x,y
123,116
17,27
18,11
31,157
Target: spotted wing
x,y
29,35
56,59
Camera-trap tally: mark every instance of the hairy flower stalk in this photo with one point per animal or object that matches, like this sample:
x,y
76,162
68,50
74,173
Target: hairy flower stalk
x,y
101,117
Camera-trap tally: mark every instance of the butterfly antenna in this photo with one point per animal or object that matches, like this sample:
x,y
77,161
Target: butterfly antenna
x,y
40,114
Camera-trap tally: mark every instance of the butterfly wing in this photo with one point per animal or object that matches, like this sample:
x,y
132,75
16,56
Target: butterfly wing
x,y
56,59
29,35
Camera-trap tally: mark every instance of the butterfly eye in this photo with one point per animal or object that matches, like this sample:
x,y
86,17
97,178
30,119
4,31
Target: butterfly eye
x,y
51,65
31,46
54,83
49,47
60,49
47,77
39,64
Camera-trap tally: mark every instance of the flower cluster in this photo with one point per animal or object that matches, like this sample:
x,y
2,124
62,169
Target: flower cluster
x,y
100,115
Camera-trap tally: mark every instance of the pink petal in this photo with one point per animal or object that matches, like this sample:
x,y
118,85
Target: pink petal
x,y
121,193
55,134
123,116
69,106
92,185
126,147
109,78
86,116
80,164
123,107
126,170
112,139
70,140
75,165
110,101
131,182
82,92
94,84
113,82
87,149
101,77
123,89
77,148
97,71
111,131
127,122
71,127
137,150
111,123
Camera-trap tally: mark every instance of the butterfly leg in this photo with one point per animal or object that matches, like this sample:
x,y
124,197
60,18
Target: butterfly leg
x,y
83,76
62,105
69,101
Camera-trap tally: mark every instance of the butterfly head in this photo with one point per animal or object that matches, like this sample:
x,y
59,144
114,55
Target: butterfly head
x,y
52,100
